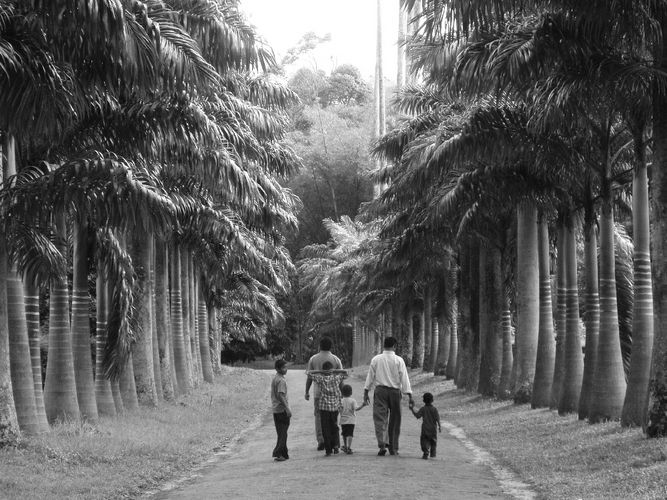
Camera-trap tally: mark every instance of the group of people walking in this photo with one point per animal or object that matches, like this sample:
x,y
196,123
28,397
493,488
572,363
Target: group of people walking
x,y
387,378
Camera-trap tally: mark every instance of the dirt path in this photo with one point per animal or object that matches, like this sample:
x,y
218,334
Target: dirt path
x,y
247,470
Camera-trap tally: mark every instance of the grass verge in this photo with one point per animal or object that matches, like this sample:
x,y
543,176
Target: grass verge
x,y
123,457
561,457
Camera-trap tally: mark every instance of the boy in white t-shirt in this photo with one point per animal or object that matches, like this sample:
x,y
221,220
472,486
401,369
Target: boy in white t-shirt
x,y
348,417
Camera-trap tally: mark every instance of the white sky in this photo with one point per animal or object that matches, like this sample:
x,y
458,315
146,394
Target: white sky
x,y
352,24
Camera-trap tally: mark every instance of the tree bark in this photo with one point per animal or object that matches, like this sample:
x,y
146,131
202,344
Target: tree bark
x,y
103,393
609,380
546,347
592,312
573,362
635,405
83,363
527,304
60,398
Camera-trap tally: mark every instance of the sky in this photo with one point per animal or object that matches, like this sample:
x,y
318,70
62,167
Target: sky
x,y
351,24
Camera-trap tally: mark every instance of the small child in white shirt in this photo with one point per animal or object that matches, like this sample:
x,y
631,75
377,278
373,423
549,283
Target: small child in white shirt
x,y
348,417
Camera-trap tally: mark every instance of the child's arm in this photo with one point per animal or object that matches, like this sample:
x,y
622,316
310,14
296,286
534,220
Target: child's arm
x,y
437,415
362,405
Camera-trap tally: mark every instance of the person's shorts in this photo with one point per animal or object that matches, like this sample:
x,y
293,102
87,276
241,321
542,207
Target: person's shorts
x,y
347,430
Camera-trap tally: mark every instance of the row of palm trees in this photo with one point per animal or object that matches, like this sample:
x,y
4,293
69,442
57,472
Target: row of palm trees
x,y
141,157
521,164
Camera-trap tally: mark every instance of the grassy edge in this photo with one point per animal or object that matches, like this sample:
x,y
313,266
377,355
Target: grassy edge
x,y
560,457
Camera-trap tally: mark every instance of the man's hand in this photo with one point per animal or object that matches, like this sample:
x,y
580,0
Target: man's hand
x,y
289,412
307,396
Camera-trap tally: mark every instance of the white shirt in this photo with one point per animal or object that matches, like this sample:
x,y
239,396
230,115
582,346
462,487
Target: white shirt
x,y
389,370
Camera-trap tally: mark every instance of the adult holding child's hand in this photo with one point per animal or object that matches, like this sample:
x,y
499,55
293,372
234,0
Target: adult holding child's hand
x,y
389,376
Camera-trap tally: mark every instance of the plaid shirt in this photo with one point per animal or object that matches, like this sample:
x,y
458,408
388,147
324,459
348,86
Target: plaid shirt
x,y
329,390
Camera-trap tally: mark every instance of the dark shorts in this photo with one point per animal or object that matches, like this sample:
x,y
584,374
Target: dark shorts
x,y
347,430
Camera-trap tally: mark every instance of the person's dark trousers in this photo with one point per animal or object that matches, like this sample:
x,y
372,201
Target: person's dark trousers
x,y
387,416
428,444
281,420
330,429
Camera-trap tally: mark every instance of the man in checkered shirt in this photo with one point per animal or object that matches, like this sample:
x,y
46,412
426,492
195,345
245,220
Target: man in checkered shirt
x,y
329,382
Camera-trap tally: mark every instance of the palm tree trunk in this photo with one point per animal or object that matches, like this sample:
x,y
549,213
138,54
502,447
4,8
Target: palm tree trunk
x,y
117,396
180,350
204,340
60,398
194,328
506,382
83,363
142,350
484,385
185,314
428,325
31,293
408,352
635,406
453,327
103,393
23,384
573,363
127,386
9,426
214,333
418,352
561,316
592,314
528,302
546,347
157,370
163,327
609,381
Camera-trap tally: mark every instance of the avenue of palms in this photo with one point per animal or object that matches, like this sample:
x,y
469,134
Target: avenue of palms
x,y
515,243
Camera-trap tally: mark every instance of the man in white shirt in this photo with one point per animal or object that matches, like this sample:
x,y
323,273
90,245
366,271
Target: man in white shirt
x,y
389,375
316,362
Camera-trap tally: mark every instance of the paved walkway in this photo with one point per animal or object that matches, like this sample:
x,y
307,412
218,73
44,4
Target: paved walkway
x,y
248,471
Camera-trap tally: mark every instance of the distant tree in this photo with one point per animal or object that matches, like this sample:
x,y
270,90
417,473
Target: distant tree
x,y
345,86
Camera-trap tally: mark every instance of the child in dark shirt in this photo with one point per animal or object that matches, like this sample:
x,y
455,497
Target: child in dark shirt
x,y
430,420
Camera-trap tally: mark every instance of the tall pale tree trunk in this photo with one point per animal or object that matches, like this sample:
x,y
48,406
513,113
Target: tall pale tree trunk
x,y
453,327
9,426
635,406
194,318
103,393
408,351
142,350
157,370
658,396
609,380
185,315
19,344
162,320
176,316
573,363
592,312
60,398
561,316
380,105
204,340
215,336
31,293
546,347
83,363
418,348
428,324
505,385
401,56
127,386
527,303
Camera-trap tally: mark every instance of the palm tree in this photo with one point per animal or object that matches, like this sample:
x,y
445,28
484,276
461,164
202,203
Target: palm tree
x,y
546,348
570,389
